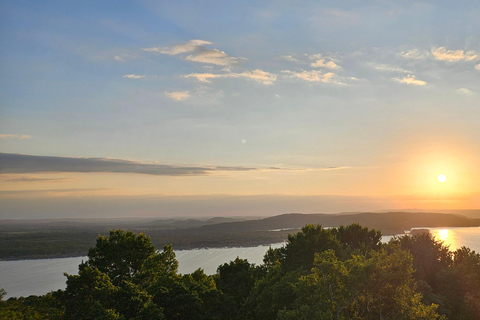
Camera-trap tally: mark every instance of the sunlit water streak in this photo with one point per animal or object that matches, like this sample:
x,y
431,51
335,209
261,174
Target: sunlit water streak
x,y
455,238
36,277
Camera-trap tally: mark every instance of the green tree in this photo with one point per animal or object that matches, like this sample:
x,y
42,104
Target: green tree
x,y
430,256
355,237
46,307
460,286
116,281
389,292
330,290
301,247
236,279
122,255
273,256
90,295
272,293
191,296
375,287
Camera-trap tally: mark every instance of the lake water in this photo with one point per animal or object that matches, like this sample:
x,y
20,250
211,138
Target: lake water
x,y
37,277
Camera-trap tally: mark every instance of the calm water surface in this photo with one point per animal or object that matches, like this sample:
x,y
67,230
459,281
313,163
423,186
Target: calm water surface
x,y
37,277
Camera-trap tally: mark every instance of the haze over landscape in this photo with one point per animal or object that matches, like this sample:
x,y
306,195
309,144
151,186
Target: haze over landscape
x,y
208,108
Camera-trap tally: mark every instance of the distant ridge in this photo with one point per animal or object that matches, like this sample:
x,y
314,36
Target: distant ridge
x,y
388,222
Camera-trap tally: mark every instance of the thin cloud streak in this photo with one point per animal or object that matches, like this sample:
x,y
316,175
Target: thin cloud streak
x,y
388,68
21,163
318,76
440,54
189,46
35,179
133,76
199,53
415,54
15,136
258,75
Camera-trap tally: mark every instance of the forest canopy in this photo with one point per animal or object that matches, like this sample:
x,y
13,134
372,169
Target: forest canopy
x,y
335,273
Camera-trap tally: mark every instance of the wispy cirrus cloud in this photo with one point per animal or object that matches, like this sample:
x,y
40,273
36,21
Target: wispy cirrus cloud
x,y
319,76
388,68
22,163
258,75
416,54
477,67
189,46
213,56
124,56
36,179
410,80
289,57
311,75
178,95
441,53
15,136
198,53
133,76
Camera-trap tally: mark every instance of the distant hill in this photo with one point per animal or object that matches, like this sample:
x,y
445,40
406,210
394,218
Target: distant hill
x,y
472,213
190,223
388,222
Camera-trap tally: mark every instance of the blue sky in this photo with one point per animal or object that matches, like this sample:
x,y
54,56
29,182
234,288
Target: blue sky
x,y
314,98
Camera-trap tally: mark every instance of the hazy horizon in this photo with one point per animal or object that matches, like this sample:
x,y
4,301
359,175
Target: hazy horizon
x,y
185,108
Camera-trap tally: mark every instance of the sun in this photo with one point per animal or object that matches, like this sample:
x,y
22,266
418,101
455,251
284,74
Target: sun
x,y
441,178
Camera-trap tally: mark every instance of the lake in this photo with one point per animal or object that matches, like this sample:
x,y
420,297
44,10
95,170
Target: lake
x,y
37,277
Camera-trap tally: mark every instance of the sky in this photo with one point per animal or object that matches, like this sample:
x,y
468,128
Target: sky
x,y
235,108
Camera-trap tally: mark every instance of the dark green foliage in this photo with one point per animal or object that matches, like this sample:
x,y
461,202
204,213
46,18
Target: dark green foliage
x,y
236,280
274,292
116,281
355,237
46,307
467,267
302,246
273,256
459,285
122,255
429,255
191,296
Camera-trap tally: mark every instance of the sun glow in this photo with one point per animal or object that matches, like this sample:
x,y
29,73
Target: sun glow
x,y
441,178
443,234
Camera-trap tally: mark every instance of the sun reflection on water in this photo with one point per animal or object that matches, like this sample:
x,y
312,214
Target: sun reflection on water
x,y
447,236
443,234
